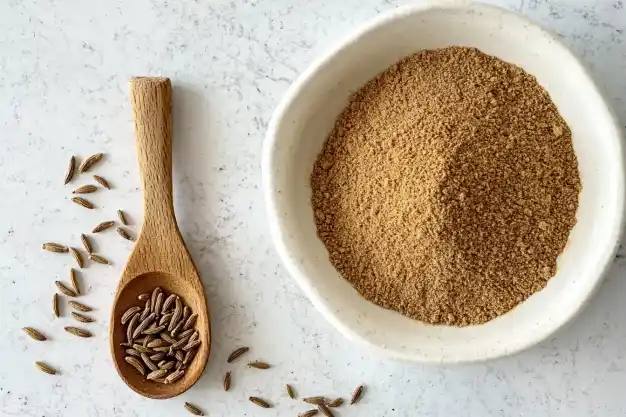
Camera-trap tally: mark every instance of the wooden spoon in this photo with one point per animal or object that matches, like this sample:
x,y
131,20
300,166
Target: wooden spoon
x,y
160,258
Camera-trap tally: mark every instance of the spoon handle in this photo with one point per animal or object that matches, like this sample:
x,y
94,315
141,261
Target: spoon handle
x,y
151,99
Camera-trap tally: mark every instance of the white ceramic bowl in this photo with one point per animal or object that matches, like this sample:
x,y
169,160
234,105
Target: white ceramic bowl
x,y
307,112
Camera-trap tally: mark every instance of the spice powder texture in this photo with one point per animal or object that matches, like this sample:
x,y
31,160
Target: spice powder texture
x,y
447,187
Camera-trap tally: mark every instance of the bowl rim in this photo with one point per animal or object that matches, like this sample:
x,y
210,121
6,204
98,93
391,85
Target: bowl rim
x,y
278,233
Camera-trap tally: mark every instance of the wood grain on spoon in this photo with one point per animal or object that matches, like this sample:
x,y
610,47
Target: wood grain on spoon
x,y
160,257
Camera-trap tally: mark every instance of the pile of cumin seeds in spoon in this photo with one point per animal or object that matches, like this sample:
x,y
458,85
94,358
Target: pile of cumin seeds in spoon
x,y
447,187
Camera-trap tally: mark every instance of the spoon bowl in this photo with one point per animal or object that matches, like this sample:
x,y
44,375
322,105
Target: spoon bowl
x,y
160,258
127,298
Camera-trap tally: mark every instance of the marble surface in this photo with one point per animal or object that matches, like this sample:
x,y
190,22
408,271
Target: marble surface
x,y
64,68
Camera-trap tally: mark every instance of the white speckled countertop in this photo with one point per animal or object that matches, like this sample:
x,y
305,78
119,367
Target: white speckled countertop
x,y
64,68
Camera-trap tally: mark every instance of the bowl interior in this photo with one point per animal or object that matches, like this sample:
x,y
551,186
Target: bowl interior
x,y
306,115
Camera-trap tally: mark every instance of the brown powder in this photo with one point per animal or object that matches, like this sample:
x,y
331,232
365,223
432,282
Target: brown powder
x,y
447,187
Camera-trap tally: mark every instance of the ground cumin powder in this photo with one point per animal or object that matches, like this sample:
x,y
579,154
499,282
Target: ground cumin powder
x,y
447,187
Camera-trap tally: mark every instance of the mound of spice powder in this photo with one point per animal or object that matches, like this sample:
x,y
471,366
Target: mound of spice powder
x,y
447,187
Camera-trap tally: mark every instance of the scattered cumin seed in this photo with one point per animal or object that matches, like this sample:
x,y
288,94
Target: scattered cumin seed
x,y
260,402
336,402
356,395
34,334
259,365
125,234
55,247
102,226
315,400
55,305
193,409
122,217
74,281
77,332
83,202
237,353
78,306
46,368
99,259
70,170
64,289
82,318
77,257
86,243
227,381
85,189
325,410
102,181
87,163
